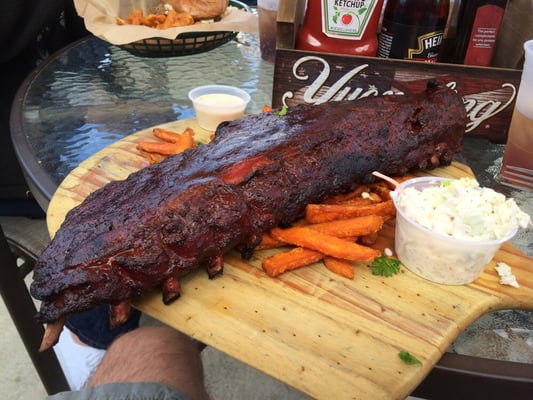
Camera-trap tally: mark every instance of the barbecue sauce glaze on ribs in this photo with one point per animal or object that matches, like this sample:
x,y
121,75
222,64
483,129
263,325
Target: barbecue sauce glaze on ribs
x,y
260,171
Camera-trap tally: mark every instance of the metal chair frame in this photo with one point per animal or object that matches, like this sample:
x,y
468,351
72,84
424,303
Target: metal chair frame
x,y
22,310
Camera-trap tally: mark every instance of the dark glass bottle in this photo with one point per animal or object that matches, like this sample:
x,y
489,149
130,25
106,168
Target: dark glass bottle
x,y
477,30
413,29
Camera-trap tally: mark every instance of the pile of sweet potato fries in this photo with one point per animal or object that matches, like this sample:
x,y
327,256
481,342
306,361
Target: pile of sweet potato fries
x,y
337,232
172,143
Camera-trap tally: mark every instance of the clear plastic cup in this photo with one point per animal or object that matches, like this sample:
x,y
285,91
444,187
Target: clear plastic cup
x,y
435,256
517,164
267,11
214,104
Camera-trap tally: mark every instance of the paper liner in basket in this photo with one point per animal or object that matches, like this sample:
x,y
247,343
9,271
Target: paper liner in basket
x,y
99,17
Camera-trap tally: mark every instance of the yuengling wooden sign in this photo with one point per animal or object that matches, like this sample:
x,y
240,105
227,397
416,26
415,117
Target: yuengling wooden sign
x,y
305,77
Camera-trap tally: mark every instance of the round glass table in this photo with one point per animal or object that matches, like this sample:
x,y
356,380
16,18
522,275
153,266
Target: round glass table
x,y
92,94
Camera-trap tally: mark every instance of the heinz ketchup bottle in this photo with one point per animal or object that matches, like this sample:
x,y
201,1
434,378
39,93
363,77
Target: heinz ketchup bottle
x,y
413,29
344,27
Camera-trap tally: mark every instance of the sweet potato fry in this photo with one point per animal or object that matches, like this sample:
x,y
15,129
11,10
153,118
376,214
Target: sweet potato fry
x,y
316,213
154,158
290,260
185,138
383,188
163,148
174,142
268,242
326,244
167,135
354,194
340,267
369,239
346,228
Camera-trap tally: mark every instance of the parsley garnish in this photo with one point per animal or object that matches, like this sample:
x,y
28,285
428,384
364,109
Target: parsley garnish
x,y
385,266
283,111
408,358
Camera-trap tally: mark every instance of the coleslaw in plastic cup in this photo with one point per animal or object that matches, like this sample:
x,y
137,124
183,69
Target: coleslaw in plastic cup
x,y
447,230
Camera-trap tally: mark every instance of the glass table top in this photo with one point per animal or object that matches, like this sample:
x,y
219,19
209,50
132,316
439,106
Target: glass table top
x,y
95,93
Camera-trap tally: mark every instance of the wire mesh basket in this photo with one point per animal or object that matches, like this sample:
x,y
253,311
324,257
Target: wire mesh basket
x,y
185,44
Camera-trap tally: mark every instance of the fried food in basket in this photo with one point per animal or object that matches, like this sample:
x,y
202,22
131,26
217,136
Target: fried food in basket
x,y
165,20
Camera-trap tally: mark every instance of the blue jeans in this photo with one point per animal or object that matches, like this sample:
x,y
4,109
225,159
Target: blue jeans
x,y
92,327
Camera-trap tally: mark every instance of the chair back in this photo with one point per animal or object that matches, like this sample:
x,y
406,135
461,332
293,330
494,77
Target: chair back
x,y
22,310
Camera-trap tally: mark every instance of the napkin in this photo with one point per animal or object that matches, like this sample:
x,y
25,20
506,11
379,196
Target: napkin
x,y
99,18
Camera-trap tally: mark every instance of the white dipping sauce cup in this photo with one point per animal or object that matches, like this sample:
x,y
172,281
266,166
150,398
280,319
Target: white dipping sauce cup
x,y
435,256
214,104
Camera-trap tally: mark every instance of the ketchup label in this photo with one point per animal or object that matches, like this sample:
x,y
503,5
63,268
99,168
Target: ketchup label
x,y
346,19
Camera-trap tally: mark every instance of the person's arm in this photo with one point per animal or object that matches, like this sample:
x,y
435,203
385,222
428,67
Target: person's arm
x,y
154,354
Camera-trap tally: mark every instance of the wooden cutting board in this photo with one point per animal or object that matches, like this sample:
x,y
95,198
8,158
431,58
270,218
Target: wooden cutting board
x,y
328,336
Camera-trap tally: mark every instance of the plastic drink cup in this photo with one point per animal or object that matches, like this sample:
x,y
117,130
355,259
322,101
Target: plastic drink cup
x,y
267,11
517,165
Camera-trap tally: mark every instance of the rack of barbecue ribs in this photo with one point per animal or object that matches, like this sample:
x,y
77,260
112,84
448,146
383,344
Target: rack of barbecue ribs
x,y
145,232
